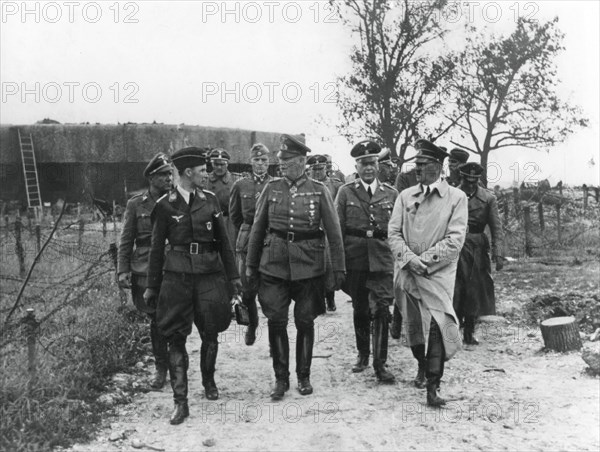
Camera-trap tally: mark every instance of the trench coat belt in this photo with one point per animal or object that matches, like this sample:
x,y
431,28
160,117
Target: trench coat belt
x,y
292,236
196,247
369,233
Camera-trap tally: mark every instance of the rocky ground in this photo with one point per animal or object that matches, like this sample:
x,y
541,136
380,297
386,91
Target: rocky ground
x,y
506,394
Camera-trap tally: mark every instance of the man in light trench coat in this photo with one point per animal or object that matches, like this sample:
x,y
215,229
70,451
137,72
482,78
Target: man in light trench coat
x,y
426,233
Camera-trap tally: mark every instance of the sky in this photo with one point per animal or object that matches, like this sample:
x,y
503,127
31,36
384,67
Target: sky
x,y
269,66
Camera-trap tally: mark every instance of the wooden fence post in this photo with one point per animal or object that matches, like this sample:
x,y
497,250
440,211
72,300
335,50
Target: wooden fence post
x,y
103,226
38,237
558,223
527,217
19,245
31,332
541,216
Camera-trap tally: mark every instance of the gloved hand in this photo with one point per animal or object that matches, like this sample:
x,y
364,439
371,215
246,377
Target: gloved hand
x,y
124,280
340,277
150,296
252,277
416,266
499,263
236,286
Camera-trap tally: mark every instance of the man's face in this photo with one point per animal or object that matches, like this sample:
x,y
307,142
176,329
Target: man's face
x,y
292,168
318,172
367,169
428,171
259,165
162,181
219,167
468,184
453,164
198,175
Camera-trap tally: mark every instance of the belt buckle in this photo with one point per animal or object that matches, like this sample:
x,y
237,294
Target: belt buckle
x,y
194,248
290,236
370,233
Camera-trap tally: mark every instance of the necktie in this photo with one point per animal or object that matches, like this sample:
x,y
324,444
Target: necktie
x,y
369,192
191,198
427,191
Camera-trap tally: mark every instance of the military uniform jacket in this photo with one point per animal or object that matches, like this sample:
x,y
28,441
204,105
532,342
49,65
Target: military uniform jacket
x,y
242,206
174,220
406,180
137,230
333,185
304,206
221,187
483,210
356,211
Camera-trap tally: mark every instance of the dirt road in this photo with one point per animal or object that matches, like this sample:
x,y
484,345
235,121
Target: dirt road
x,y
506,394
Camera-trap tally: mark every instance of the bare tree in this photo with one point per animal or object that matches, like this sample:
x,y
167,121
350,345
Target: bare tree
x,y
395,85
506,90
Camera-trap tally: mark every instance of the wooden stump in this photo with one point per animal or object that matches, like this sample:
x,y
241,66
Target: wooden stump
x,y
561,334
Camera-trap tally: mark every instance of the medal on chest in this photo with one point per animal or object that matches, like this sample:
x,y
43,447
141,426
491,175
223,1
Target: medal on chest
x,y
209,225
293,190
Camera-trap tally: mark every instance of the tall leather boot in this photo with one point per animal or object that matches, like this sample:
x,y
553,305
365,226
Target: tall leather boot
x,y
380,349
305,338
418,352
362,331
469,330
161,356
280,349
330,298
208,361
250,303
178,366
435,365
396,328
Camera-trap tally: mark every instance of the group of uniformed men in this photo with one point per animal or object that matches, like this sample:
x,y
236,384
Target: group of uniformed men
x,y
301,237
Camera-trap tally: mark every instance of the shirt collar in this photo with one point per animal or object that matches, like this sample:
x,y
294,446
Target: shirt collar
x,y
184,193
373,185
432,186
261,178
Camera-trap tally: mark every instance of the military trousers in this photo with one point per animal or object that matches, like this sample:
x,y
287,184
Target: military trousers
x,y
372,293
275,296
201,299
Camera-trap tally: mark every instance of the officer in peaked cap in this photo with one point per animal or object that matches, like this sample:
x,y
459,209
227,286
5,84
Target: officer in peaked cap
x,y
474,287
364,207
457,158
426,232
197,277
220,181
293,216
388,169
242,206
134,249
318,171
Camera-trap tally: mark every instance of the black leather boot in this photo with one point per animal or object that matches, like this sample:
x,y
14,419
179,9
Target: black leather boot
x,y
380,349
305,338
161,357
178,366
362,331
419,353
435,365
396,328
469,330
280,350
330,297
208,361
250,303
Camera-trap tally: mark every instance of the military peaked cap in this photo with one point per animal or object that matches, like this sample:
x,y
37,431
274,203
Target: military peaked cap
x,y
471,169
188,158
219,154
317,160
292,146
429,152
366,148
459,155
259,150
159,163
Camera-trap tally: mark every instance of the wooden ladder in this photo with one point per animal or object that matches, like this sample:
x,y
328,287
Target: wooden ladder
x,y
34,200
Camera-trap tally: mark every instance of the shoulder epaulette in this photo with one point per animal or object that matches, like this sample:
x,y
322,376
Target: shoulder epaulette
x,y
388,185
318,182
208,191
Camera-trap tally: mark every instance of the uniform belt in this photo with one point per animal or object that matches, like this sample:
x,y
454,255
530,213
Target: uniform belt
x,y
196,247
475,229
369,233
140,243
292,236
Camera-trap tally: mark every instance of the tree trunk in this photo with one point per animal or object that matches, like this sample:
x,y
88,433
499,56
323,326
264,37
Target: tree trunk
x,y
561,334
484,163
